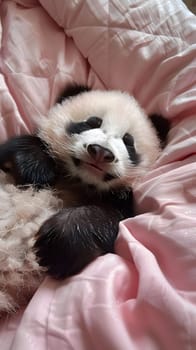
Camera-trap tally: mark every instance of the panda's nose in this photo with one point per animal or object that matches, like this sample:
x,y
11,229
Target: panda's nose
x,y
100,153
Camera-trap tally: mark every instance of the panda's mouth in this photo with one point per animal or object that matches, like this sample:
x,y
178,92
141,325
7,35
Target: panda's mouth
x,y
94,169
91,166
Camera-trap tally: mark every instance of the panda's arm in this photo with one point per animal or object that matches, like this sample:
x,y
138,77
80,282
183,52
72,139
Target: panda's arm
x,y
26,158
74,237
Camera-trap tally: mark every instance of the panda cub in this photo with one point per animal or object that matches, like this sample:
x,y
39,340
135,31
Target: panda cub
x,y
91,149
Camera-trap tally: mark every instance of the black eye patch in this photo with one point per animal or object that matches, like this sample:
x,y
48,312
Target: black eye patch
x,y
94,122
129,143
78,128
128,140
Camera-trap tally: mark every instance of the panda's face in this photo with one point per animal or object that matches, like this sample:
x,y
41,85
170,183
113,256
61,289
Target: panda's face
x,y
104,138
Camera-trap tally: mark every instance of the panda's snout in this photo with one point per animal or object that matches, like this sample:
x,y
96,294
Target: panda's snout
x,y
100,154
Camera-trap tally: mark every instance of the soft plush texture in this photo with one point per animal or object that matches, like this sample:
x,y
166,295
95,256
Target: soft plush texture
x,y
22,212
144,296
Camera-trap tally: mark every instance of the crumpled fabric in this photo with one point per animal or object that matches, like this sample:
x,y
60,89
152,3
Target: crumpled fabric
x,y
144,296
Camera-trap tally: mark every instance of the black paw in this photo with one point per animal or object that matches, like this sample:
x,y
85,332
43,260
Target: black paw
x,y
74,237
27,159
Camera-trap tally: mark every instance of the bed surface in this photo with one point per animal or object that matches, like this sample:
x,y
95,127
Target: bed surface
x,y
144,297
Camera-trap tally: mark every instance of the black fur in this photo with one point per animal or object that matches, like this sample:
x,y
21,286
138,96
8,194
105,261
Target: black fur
x,y
78,128
94,122
162,127
71,91
75,236
108,177
27,159
129,143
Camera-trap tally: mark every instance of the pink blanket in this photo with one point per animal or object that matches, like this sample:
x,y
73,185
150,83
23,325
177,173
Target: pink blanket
x,y
144,297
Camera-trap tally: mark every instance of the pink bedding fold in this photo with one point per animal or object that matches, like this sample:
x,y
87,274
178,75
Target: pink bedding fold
x,y
144,297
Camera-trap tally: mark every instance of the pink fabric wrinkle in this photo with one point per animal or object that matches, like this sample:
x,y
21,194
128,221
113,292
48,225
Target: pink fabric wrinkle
x,y
153,288
41,67
23,334
27,3
154,232
100,294
142,297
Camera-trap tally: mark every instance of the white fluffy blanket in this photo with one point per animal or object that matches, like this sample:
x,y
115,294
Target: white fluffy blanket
x,y
21,215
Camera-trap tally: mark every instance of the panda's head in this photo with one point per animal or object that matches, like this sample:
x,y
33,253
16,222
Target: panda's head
x,y
102,137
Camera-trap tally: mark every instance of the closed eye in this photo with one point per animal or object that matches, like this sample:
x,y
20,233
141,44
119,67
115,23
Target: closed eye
x,y
94,122
78,128
129,143
128,140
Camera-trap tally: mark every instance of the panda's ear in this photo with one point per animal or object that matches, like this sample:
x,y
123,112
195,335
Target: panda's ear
x,y
162,127
72,90
27,159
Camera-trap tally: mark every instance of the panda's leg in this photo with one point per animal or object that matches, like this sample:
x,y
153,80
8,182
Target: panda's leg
x,y
74,237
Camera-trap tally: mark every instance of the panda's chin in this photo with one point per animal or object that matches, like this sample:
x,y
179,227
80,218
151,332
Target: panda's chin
x,y
93,174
